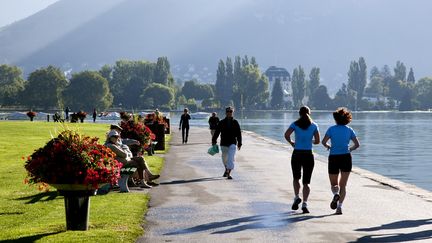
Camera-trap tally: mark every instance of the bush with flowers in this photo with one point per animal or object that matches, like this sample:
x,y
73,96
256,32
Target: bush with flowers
x,y
31,115
135,129
72,158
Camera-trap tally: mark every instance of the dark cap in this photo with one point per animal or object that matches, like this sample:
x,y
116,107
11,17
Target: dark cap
x,y
229,108
115,126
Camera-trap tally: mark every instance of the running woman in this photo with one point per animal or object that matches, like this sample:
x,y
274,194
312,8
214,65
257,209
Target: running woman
x,y
306,132
340,160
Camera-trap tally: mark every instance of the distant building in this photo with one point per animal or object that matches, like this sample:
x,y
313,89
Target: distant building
x,y
274,73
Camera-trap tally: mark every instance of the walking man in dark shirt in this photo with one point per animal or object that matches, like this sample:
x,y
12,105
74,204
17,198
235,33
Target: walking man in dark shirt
x,y
184,125
230,132
213,121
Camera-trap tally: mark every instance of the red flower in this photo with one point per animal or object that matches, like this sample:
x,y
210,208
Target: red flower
x,y
72,158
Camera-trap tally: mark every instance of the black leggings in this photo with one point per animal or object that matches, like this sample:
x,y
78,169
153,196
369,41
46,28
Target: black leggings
x,y
185,129
302,159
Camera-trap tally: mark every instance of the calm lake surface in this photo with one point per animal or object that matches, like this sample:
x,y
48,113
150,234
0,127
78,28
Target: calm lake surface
x,y
394,144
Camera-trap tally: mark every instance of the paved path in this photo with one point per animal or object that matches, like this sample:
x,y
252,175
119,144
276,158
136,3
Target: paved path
x,y
195,204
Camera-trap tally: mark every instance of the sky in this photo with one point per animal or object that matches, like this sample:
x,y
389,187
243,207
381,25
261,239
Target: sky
x,y
14,10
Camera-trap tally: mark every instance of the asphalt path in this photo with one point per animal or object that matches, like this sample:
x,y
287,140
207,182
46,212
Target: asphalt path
x,y
194,203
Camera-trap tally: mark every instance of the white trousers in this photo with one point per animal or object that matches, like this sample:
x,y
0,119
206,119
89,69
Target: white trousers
x,y
228,154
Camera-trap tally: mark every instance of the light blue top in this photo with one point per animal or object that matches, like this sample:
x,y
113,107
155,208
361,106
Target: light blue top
x,y
303,137
340,136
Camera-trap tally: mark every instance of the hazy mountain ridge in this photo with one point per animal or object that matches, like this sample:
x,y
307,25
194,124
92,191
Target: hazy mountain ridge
x,y
327,34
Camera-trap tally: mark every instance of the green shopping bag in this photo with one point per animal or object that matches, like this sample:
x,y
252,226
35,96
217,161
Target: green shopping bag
x,y
214,149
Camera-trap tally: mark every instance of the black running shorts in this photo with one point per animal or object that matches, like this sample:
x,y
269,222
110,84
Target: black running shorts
x,y
302,159
339,162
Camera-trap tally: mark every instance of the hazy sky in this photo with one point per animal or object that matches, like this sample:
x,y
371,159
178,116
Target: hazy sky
x,y
13,10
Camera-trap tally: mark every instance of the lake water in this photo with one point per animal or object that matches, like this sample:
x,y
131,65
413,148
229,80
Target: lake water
x,y
394,144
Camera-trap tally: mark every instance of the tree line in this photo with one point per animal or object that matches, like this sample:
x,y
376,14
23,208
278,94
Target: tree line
x,y
145,85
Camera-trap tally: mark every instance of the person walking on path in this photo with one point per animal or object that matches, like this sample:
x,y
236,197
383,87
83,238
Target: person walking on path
x,y
184,125
94,115
302,157
67,110
231,137
213,121
340,159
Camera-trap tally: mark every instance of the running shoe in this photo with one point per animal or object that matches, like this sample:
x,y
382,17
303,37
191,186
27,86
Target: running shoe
x,y
305,210
338,211
229,177
333,204
296,203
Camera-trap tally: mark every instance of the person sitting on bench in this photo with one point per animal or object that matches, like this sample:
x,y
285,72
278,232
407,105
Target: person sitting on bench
x,y
124,155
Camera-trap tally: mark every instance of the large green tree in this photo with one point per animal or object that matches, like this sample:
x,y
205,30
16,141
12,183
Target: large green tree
x,y
423,91
322,100
277,95
357,77
157,95
298,86
162,71
411,78
11,84
221,83
194,90
88,90
400,71
313,84
44,88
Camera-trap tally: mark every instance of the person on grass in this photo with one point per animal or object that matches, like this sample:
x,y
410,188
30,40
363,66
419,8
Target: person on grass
x,y
231,139
306,132
340,160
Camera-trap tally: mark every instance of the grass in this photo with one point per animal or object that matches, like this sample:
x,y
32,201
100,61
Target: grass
x,y
29,215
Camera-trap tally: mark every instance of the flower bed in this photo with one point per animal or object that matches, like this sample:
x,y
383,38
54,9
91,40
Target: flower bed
x,y
72,158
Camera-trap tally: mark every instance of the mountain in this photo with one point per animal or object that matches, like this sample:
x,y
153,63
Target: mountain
x,y
195,34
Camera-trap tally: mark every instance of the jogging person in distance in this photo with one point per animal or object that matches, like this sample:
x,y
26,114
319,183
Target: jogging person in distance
x,y
306,132
340,160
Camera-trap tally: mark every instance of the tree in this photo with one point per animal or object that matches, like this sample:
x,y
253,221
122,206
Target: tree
x,y
411,78
88,90
423,91
221,83
44,88
229,81
162,71
106,71
313,84
343,97
161,95
11,84
298,86
357,77
277,95
322,100
400,71
192,89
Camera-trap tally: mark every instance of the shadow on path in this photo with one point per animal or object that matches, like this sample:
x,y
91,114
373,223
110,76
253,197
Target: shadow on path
x,y
192,180
397,237
263,221
31,238
399,225
44,196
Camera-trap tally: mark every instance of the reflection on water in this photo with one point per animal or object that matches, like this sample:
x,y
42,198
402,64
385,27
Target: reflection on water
x,y
394,144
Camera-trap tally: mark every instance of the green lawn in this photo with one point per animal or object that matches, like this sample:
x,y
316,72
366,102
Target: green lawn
x,y
28,215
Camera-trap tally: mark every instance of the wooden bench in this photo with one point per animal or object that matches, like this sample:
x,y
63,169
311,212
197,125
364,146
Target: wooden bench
x,y
125,172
